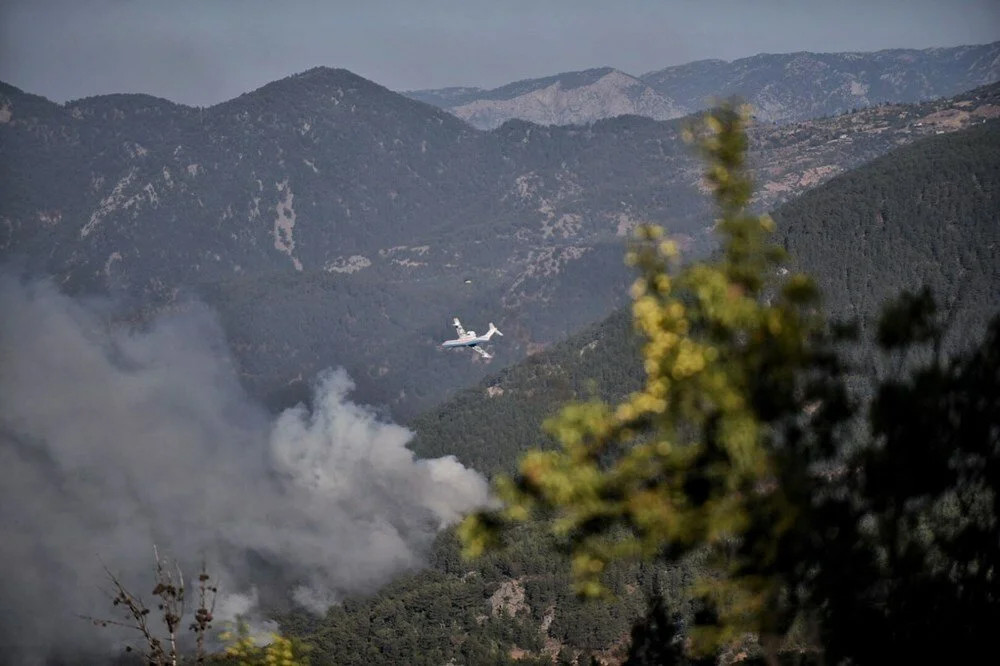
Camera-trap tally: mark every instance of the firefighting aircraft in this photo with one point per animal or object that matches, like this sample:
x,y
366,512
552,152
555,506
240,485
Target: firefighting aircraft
x,y
470,339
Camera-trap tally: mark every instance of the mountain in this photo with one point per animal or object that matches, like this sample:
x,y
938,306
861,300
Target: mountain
x,y
925,213
782,88
333,222
796,86
569,98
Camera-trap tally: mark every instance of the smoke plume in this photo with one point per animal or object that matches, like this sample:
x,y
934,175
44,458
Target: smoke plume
x,y
114,439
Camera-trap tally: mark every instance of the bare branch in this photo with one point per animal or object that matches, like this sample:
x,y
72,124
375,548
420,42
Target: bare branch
x,y
172,605
203,616
135,609
172,600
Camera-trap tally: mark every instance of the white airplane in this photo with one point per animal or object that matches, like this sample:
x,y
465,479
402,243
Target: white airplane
x,y
470,339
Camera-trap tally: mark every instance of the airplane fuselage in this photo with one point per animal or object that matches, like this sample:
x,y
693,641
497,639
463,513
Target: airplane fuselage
x,y
468,341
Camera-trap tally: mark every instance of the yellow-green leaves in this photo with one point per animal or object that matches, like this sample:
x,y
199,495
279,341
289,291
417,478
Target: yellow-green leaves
x,y
242,649
478,532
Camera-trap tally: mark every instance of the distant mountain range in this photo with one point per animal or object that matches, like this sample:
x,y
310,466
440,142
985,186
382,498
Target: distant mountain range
x,y
782,88
570,98
332,222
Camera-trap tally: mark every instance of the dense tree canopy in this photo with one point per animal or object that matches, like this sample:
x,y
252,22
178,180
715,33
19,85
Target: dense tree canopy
x,y
926,214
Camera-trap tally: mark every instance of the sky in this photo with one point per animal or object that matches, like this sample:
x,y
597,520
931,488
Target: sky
x,y
202,52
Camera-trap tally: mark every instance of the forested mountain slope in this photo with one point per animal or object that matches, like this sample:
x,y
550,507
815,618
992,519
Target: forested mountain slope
x,y
928,213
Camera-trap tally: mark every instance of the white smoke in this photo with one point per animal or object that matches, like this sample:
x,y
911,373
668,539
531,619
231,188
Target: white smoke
x,y
112,440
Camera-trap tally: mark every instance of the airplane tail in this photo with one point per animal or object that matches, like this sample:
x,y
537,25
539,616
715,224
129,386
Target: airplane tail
x,y
493,329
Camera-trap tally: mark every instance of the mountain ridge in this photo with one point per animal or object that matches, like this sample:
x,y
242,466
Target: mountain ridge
x,y
783,87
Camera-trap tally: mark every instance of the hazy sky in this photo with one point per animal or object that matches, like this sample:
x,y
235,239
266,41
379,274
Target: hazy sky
x,y
206,51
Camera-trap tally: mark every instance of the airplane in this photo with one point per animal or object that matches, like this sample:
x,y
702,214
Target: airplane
x,y
470,339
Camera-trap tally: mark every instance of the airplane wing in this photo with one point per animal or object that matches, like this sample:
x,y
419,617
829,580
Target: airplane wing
x,y
482,352
458,327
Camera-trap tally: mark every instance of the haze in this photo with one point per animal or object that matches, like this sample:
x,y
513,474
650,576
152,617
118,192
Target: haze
x,y
201,53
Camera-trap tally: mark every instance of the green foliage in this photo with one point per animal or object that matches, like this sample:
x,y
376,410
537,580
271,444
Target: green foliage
x,y
427,618
242,650
489,425
450,611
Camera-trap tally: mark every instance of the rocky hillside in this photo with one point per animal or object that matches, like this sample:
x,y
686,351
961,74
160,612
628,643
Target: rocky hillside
x,y
783,88
333,222
571,98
